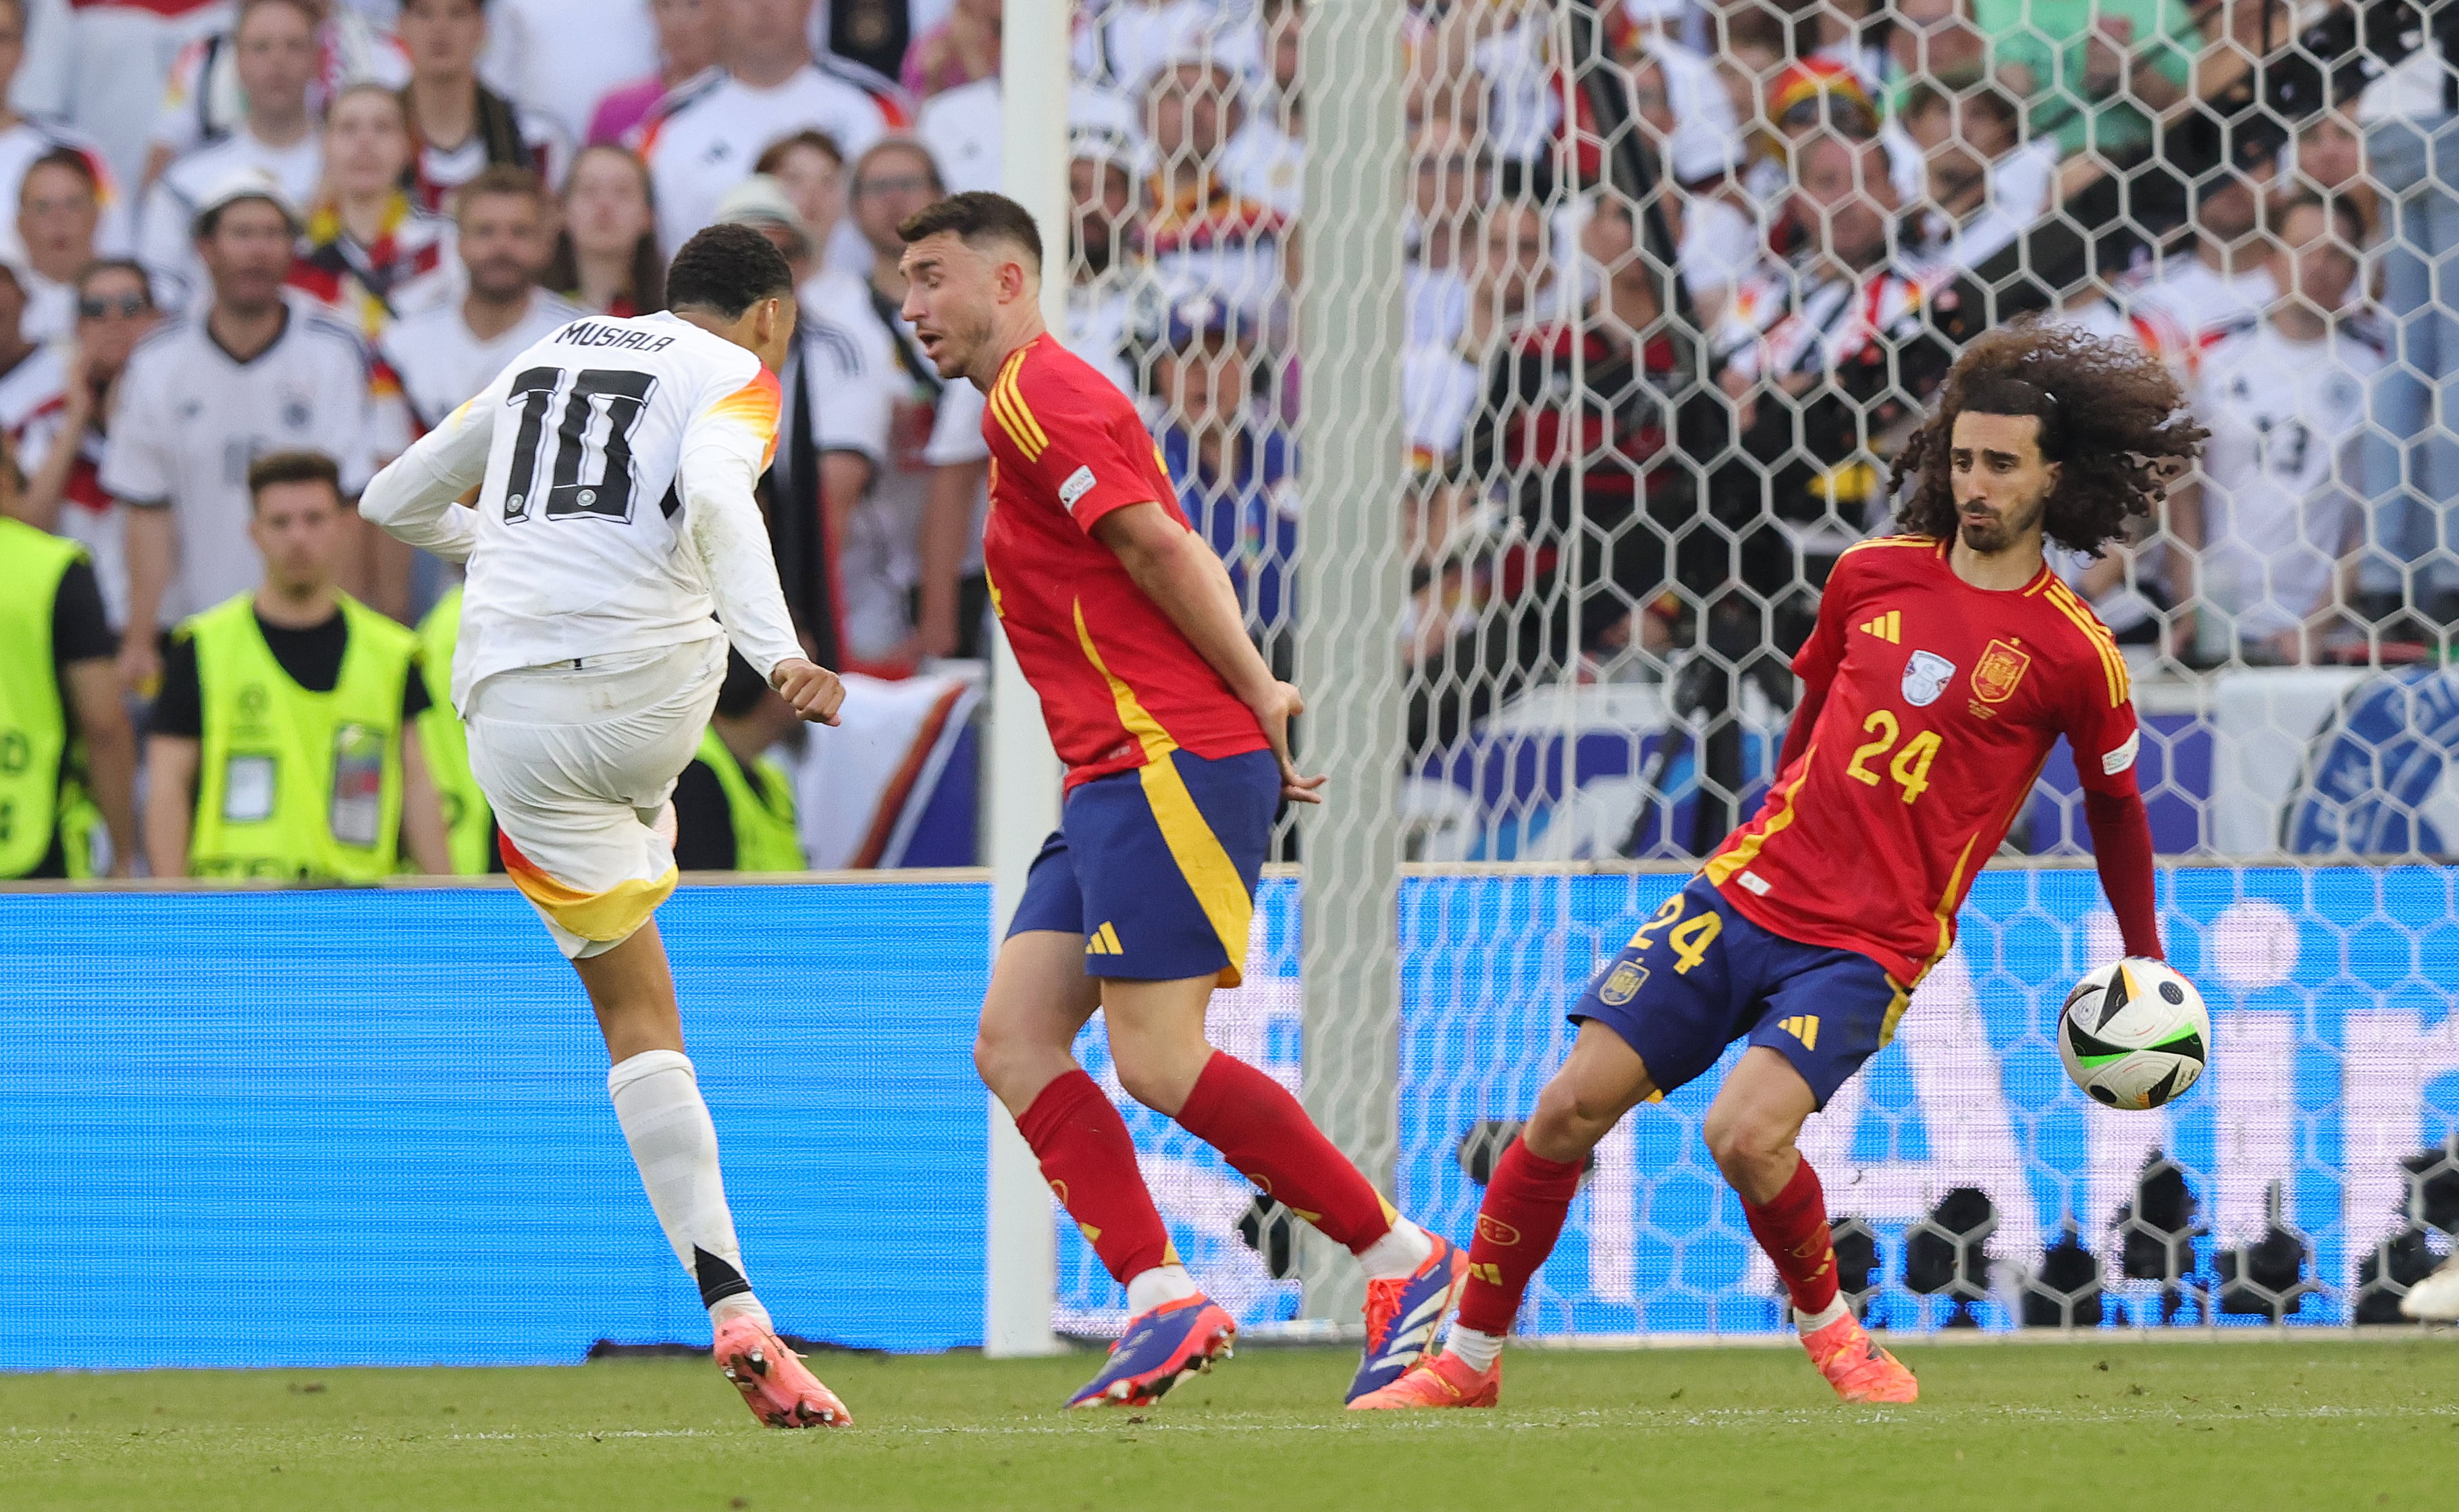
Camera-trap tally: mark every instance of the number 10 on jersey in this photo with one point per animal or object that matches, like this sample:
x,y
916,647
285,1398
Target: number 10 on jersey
x,y
619,395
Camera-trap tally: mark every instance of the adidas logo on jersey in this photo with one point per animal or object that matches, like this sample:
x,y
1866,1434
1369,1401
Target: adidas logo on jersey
x,y
1104,941
1889,627
1803,1027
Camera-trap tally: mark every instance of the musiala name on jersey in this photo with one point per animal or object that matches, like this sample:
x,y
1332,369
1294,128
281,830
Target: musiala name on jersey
x,y
589,333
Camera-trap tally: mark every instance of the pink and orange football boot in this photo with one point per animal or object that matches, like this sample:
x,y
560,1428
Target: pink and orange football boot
x,y
1162,1347
1854,1364
1436,1380
779,1388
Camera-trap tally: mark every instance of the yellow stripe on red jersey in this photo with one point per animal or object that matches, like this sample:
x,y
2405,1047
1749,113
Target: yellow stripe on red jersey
x,y
1067,450
1944,700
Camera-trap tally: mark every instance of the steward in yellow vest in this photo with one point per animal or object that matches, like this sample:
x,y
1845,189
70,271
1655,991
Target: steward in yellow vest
x,y
469,824
67,754
281,744
734,809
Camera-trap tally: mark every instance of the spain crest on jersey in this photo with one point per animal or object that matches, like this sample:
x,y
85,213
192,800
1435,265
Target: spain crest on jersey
x,y
2000,668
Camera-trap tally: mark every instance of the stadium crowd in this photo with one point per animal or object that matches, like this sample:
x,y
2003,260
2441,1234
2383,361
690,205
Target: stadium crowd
x,y
248,250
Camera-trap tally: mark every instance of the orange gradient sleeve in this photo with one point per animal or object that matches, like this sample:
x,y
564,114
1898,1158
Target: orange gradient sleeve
x,y
756,406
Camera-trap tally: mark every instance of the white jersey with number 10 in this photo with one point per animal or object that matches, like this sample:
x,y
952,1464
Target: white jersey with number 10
x,y
615,460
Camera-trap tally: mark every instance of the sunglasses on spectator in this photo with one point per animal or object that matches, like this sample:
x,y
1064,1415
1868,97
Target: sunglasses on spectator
x,y
1844,118
128,306
902,183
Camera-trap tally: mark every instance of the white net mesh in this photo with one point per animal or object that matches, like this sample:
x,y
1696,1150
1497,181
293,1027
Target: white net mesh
x,y
1674,282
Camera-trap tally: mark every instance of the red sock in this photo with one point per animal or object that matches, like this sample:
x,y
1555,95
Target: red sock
x,y
1267,1138
1793,1230
1089,1161
1526,1202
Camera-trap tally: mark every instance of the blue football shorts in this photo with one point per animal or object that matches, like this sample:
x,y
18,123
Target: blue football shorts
x,y
1155,868
1699,976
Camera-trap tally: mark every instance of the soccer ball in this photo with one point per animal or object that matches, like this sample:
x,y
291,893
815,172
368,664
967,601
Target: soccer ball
x,y
2134,1034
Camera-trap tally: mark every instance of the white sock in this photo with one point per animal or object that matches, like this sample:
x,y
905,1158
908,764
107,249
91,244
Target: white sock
x,y
657,1100
1147,1289
1813,1322
1477,1350
1399,1253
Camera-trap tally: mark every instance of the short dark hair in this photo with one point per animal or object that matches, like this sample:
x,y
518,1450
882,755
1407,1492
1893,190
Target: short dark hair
x,y
128,266
2347,219
889,146
727,269
510,180
974,216
276,468
772,155
68,159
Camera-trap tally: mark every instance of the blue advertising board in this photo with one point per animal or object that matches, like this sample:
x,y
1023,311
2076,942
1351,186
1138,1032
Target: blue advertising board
x,y
371,1126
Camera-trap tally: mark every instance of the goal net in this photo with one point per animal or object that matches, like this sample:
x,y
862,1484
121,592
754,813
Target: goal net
x,y
1584,336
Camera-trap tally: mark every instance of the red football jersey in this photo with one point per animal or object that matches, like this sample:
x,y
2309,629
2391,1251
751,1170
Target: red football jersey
x,y
1120,686
1944,700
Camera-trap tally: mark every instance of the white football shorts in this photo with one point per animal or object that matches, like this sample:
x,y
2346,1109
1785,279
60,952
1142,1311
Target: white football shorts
x,y
580,762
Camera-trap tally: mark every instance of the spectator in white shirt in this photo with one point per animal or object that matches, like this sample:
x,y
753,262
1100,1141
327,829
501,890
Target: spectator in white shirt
x,y
370,252
559,58
275,46
108,83
60,209
24,142
204,97
812,172
606,254
705,138
2275,516
446,355
461,127
687,47
1452,182
2227,276
257,368
63,447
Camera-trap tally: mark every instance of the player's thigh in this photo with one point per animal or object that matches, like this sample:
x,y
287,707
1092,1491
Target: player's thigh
x,y
1168,857
1039,995
1680,988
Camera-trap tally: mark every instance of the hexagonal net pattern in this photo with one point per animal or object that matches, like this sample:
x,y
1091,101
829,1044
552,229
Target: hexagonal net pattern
x,y
1673,282
2310,1176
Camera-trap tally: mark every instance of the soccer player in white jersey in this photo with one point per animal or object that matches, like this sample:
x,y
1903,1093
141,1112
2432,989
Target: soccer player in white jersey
x,y
615,462
2276,513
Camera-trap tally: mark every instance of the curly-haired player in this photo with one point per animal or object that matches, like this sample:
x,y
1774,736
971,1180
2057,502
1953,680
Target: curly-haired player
x,y
1946,662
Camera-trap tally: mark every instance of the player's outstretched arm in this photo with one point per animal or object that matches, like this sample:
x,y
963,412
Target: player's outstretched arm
x,y
722,459
2121,848
416,498
1180,573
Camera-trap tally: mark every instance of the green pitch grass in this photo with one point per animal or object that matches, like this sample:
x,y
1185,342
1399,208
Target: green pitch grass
x,y
2269,1424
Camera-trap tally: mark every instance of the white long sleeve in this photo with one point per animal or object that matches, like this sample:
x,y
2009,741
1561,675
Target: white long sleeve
x,y
723,523
416,497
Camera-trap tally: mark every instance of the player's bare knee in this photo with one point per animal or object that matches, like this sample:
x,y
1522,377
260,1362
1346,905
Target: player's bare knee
x,y
1746,1144
1568,1120
1157,1081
